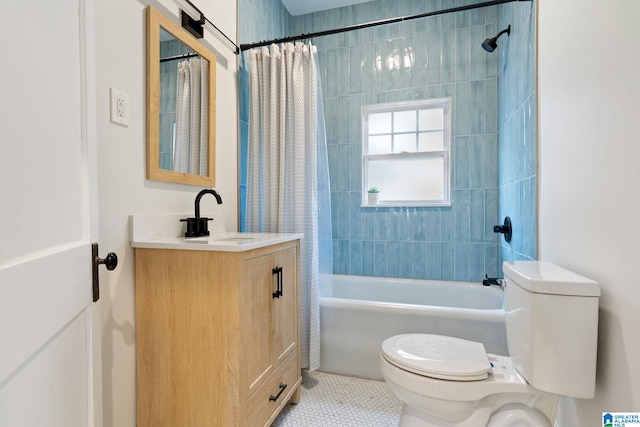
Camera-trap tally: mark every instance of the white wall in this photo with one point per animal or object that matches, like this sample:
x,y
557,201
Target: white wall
x,y
123,189
589,211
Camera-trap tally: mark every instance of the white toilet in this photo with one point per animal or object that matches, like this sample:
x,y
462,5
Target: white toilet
x,y
552,328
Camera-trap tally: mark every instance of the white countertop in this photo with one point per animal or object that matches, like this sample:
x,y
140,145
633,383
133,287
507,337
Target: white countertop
x,y
167,232
225,242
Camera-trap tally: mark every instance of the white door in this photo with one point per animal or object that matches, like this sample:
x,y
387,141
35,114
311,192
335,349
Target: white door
x,y
47,171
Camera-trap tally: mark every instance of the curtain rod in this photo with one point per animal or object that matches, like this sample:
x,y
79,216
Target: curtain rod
x,y
244,47
175,57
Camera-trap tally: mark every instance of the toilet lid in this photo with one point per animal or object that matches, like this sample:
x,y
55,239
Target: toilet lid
x,y
438,356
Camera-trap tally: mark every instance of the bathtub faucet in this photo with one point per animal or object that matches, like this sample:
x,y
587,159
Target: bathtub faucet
x,y
488,281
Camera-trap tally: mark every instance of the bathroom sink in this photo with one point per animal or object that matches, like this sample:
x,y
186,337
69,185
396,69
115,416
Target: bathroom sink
x,y
224,239
232,239
238,240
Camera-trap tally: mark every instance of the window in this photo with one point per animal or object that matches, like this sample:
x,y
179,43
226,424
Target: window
x,y
406,153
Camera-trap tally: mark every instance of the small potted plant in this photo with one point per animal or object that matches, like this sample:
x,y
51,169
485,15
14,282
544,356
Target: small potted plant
x,y
373,194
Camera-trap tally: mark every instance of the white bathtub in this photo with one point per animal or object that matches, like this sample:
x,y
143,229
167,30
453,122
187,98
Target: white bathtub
x,y
357,313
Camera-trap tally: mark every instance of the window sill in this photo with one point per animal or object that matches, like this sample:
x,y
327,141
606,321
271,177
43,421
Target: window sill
x,y
407,205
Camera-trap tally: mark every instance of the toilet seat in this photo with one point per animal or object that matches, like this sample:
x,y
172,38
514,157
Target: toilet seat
x,y
438,356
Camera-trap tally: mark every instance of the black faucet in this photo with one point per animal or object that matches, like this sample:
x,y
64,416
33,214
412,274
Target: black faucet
x,y
198,226
488,281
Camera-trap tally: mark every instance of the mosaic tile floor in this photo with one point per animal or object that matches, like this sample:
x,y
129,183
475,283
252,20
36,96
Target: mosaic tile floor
x,y
328,400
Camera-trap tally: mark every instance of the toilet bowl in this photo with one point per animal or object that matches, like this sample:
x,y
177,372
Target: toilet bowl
x,y
551,318
446,381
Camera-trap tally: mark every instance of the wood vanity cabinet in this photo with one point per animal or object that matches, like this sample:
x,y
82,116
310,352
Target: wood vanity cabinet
x,y
216,336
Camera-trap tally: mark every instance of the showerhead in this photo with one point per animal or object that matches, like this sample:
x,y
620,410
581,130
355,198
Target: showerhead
x,y
491,44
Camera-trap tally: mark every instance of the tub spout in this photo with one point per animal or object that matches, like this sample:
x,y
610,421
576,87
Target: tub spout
x,y
488,281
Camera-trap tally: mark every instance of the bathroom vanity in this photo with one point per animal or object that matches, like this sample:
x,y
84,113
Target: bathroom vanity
x,y
216,329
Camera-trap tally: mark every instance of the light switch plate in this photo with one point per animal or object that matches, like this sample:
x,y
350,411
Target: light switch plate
x,y
119,107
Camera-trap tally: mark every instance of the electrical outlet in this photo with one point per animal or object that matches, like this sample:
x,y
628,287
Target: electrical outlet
x,y
119,107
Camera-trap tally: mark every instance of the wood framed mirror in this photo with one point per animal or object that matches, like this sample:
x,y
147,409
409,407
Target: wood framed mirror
x,y
181,105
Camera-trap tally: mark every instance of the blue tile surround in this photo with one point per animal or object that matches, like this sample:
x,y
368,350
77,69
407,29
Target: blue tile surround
x,y
493,107
517,146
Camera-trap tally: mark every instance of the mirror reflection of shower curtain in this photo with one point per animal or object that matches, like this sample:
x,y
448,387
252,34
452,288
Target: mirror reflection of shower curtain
x,y
192,128
287,170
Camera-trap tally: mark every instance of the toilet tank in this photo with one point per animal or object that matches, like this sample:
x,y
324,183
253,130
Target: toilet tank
x,y
552,327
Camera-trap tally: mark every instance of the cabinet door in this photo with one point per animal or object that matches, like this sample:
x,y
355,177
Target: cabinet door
x,y
285,314
257,320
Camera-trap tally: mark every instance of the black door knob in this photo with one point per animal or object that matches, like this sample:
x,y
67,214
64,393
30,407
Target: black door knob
x,y
111,261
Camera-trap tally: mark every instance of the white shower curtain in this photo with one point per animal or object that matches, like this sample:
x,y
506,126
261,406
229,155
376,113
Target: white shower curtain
x,y
286,156
192,127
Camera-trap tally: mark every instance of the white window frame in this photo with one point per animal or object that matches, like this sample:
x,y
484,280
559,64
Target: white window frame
x,y
445,153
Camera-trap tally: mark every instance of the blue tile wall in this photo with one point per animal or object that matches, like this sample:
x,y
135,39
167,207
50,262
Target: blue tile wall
x,y
517,149
262,20
443,58
490,107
